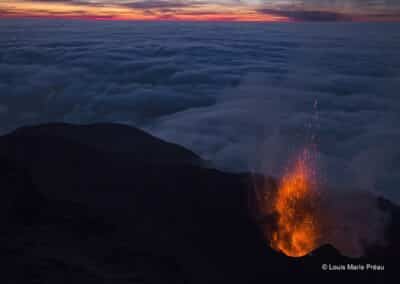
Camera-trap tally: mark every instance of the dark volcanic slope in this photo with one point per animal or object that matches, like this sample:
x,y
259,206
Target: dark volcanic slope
x,y
85,208
115,138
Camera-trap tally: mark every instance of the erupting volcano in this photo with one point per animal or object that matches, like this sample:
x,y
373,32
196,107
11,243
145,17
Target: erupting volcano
x,y
297,229
297,225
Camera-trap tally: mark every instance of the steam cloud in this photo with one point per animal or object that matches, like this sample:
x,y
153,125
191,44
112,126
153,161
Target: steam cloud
x,y
353,222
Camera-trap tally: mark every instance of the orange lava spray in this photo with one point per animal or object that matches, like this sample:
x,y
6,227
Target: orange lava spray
x,y
297,229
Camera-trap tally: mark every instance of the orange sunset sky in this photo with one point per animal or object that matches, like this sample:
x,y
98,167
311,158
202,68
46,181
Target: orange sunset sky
x,y
206,10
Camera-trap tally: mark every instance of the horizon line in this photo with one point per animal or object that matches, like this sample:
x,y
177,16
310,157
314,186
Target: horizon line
x,y
172,20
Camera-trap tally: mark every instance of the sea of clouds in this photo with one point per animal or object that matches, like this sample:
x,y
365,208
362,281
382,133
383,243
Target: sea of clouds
x,y
243,96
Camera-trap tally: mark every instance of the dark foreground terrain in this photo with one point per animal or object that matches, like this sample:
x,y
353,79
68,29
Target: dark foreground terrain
x,y
107,203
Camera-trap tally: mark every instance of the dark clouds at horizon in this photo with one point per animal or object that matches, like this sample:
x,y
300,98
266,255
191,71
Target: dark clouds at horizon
x,y
207,10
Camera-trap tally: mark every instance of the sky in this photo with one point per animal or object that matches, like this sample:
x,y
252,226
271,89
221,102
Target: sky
x,y
205,10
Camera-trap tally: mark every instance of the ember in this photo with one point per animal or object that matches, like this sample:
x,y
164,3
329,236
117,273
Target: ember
x,y
297,228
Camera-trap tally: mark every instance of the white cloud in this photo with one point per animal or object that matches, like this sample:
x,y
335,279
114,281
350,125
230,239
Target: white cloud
x,y
240,95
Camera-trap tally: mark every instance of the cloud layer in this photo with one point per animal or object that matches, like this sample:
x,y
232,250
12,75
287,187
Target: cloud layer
x,y
244,96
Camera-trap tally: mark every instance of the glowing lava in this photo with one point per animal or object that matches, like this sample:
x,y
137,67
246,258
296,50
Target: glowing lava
x,y
297,229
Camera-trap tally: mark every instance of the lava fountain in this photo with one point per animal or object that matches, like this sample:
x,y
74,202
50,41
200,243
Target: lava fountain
x,y
294,207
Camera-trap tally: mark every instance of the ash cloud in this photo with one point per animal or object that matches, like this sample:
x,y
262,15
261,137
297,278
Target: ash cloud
x,y
243,96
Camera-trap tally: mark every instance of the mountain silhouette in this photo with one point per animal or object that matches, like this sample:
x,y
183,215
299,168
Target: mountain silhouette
x,y
115,138
108,203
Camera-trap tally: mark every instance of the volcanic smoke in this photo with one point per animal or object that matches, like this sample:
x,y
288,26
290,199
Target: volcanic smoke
x,y
298,214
